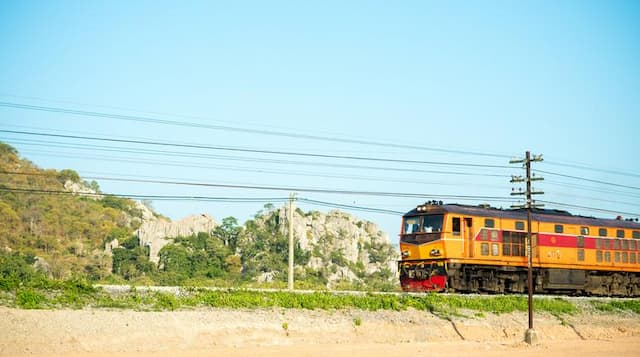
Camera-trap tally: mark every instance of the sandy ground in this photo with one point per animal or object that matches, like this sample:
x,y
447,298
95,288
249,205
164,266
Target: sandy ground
x,y
221,332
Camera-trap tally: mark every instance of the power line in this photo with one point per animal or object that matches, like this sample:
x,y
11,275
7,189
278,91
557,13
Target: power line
x,y
298,189
235,129
393,179
258,199
203,198
589,208
588,180
597,199
315,173
149,197
246,150
607,191
590,168
352,207
248,159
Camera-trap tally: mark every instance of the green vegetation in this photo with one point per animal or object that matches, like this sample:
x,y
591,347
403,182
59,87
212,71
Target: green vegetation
x,y
66,231
618,305
64,236
23,286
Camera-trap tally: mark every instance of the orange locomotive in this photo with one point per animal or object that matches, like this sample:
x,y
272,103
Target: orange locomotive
x,y
483,249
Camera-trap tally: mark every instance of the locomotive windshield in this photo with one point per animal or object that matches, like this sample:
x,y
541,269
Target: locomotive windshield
x,y
423,224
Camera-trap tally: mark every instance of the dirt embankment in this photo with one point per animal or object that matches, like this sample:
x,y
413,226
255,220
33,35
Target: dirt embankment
x,y
98,332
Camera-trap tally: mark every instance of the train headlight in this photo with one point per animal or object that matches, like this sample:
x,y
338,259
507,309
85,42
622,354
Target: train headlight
x,y
435,252
405,254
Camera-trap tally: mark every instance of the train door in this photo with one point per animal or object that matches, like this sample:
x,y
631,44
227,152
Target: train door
x,y
468,234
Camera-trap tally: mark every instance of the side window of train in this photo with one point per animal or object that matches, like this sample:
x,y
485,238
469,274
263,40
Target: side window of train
x,y
602,232
559,228
584,231
495,249
455,225
620,233
484,248
519,226
635,234
599,256
616,244
489,223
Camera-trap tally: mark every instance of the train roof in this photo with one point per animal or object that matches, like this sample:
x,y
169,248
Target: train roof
x,y
541,215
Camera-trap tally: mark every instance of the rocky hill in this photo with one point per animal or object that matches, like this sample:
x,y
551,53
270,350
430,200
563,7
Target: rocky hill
x,y
333,247
58,220
156,233
68,226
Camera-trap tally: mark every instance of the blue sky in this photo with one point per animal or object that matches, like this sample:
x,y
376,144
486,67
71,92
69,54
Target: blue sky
x,y
500,77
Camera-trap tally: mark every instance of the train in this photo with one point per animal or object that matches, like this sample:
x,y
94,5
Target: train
x,y
483,249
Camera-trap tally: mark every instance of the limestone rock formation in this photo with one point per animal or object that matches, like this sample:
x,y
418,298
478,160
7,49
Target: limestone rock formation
x,y
78,188
342,246
155,232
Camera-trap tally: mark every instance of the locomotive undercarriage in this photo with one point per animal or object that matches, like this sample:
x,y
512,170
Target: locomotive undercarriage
x,y
507,279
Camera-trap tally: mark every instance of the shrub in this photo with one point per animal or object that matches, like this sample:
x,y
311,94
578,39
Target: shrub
x,y
29,299
166,302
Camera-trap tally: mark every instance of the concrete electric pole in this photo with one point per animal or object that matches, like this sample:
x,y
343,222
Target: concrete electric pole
x,y
292,197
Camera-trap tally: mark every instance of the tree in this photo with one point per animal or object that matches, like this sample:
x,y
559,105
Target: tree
x,y
10,225
68,175
228,232
175,258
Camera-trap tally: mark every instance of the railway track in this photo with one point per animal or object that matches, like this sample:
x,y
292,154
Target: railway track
x,y
181,290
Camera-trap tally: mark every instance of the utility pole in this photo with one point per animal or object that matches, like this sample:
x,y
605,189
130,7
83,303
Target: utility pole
x,y
292,196
530,336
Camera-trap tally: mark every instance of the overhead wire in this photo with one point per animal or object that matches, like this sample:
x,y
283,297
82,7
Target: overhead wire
x,y
253,151
298,173
594,209
250,159
591,168
290,188
144,119
225,168
202,198
586,179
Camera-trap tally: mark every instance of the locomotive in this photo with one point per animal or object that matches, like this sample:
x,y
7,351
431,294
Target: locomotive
x,y
481,249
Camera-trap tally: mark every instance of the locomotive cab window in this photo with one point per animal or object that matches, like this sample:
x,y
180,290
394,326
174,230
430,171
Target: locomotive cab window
x,y
432,223
455,225
411,225
425,228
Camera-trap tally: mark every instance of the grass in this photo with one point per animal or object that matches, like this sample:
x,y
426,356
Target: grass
x,y
77,293
618,305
